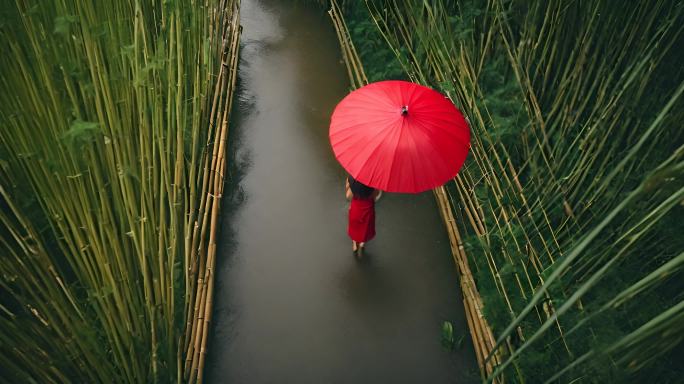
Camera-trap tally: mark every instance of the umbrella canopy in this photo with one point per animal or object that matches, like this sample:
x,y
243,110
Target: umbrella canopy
x,y
398,136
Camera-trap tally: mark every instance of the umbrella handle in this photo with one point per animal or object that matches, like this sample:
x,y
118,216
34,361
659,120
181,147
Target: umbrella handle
x,y
347,190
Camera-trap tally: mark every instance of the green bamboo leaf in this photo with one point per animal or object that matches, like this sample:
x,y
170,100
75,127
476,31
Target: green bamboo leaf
x,y
63,24
81,132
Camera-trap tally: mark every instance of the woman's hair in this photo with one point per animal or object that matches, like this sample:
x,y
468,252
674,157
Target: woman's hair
x,y
359,189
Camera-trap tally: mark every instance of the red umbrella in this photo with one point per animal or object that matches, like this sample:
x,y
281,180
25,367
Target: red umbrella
x,y
398,136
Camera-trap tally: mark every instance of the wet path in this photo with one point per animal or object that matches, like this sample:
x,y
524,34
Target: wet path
x,y
291,304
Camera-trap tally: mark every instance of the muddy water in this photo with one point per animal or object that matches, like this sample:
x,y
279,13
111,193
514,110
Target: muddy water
x,y
292,304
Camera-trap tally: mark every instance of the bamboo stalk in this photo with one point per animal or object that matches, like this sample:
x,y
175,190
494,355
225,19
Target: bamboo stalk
x,y
480,330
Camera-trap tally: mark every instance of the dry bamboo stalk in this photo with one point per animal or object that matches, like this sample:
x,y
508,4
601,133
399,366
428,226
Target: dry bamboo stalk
x,y
199,232
212,189
470,208
477,334
198,261
471,326
351,59
197,265
478,341
218,187
471,291
360,73
481,330
345,55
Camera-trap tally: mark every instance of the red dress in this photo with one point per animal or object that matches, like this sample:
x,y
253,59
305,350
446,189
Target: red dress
x,y
361,219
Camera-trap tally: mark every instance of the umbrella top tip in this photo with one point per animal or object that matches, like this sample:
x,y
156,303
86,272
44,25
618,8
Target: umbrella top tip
x,y
404,110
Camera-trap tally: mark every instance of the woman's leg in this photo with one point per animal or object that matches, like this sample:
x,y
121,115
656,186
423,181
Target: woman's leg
x,y
354,246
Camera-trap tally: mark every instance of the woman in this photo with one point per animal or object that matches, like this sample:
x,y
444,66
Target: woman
x,y
361,213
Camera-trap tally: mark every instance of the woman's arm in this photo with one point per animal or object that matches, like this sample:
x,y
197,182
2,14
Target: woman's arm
x,y
347,190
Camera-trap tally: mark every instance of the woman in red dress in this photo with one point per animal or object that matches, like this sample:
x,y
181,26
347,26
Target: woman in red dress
x,y
361,213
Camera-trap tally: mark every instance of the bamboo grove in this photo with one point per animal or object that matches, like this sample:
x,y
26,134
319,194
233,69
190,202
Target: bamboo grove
x,y
113,123
568,211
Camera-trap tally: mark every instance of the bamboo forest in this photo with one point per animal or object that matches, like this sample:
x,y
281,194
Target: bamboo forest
x,y
173,178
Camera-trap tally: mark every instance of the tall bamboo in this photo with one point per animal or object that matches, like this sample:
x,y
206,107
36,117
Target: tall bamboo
x,y
101,168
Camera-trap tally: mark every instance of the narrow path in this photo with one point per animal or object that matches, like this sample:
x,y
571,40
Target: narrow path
x,y
292,304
